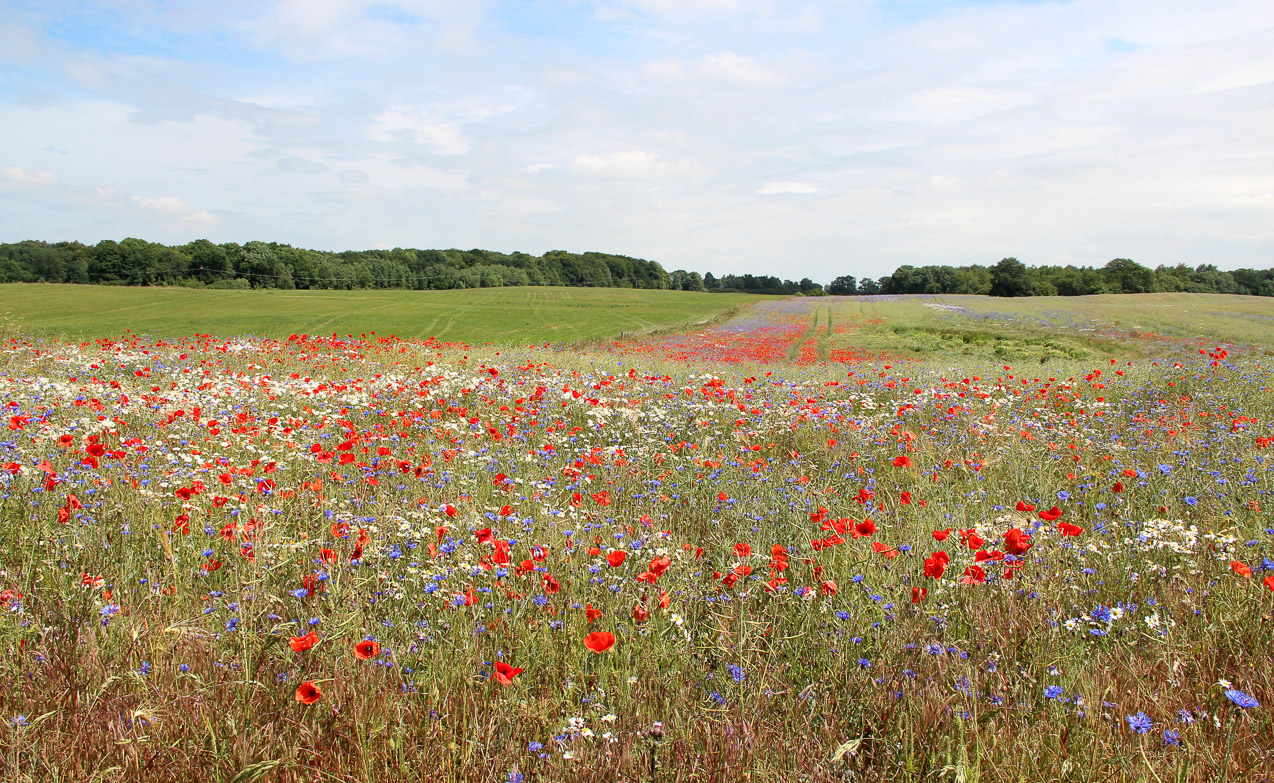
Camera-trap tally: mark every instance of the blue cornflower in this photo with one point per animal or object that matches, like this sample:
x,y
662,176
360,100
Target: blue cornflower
x,y
1063,495
735,671
1140,723
1242,699
1102,614
1053,691
1191,501
1171,737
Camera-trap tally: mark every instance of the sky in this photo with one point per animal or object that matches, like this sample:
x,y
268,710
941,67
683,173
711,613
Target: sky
x,y
776,137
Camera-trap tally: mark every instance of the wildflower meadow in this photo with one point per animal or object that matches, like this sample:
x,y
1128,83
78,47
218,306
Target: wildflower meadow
x,y
752,551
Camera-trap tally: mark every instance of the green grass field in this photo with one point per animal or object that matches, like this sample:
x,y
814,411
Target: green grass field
x,y
1051,327
497,315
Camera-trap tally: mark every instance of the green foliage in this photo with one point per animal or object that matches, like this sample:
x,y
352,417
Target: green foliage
x,y
1012,278
273,265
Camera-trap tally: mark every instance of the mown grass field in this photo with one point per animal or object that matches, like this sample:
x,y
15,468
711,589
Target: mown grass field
x,y
752,550
502,315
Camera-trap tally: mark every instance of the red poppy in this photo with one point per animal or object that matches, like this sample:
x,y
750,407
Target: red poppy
x,y
1240,568
887,551
504,673
640,614
599,641
973,575
303,643
1016,542
1067,529
902,461
742,549
616,558
941,535
366,649
1023,506
865,528
1117,487
918,594
936,565
1050,515
827,588
308,693
591,613
1269,582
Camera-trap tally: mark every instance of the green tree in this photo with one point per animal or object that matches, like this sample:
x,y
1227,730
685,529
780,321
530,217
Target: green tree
x,y
1010,277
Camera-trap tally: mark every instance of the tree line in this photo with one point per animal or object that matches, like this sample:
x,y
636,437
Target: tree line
x,y
273,265
1010,277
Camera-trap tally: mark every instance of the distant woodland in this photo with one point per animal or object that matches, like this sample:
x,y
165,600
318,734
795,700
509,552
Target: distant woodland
x,y
204,264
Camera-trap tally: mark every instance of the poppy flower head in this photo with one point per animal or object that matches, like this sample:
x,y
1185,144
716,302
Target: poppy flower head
x,y
308,693
504,673
1051,515
599,641
303,643
1016,542
366,649
616,558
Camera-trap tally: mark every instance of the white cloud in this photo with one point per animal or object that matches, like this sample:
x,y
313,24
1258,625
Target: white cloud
x,y
637,165
19,177
167,204
419,126
723,67
772,188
